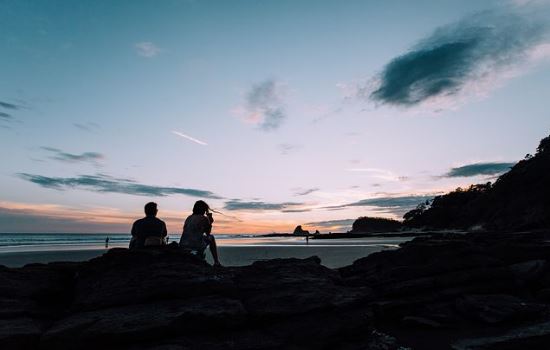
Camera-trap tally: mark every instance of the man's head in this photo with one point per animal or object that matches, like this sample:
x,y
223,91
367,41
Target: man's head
x,y
200,207
151,209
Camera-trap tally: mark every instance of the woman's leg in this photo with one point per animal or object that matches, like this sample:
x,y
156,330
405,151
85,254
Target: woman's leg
x,y
214,250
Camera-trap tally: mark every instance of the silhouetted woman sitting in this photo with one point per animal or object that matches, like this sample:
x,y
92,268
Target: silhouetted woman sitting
x,y
197,229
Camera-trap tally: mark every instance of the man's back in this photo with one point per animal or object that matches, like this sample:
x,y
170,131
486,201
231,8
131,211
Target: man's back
x,y
149,226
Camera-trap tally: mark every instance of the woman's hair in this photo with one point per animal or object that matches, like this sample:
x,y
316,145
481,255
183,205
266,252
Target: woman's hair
x,y
200,207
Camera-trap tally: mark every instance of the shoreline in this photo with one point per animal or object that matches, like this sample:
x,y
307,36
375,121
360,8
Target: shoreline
x,y
332,256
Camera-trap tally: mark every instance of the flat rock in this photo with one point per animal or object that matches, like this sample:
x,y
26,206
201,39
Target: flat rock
x,y
138,323
532,337
20,333
498,308
124,277
283,287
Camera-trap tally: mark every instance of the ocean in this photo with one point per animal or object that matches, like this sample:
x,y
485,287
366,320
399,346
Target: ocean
x,y
47,241
36,240
18,249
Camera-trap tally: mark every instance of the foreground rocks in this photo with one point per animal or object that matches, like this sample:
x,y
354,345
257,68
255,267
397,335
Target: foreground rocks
x,y
462,292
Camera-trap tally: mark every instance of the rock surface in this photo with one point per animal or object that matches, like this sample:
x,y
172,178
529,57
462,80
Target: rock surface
x,y
475,291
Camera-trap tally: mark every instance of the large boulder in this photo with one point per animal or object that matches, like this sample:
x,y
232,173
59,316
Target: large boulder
x,y
125,277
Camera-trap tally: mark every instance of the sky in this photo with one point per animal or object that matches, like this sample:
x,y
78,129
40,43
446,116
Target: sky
x,y
277,113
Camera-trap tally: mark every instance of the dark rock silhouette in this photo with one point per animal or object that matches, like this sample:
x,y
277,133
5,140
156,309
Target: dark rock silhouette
x,y
366,224
518,200
488,291
299,231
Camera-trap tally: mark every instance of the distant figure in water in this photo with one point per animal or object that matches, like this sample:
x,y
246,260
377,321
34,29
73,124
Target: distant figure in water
x,y
307,239
107,242
196,235
149,231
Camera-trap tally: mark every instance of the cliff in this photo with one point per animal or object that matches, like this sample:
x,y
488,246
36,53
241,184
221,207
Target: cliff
x,y
518,200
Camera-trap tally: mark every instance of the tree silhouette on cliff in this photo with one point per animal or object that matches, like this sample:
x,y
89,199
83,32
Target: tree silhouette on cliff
x,y
366,224
519,199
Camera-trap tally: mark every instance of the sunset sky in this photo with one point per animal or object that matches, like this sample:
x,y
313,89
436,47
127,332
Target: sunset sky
x,y
277,113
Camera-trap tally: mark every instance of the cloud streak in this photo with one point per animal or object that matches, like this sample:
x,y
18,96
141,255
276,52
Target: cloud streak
x,y
342,223
92,157
306,191
236,204
107,184
89,126
264,106
202,143
477,169
147,49
7,105
397,205
5,116
457,57
287,148
381,174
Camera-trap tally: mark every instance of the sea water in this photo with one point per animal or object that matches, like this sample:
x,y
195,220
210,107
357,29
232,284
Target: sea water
x,y
17,249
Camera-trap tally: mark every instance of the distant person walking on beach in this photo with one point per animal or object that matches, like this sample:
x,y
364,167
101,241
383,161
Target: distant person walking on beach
x,y
107,242
149,231
197,229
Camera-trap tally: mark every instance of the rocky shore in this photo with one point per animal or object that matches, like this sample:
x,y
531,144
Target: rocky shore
x,y
463,292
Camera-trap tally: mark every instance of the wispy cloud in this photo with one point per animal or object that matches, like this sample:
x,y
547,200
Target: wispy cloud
x,y
303,210
394,204
57,154
461,58
6,116
341,224
236,204
88,126
202,143
147,49
107,184
264,106
305,192
530,2
477,169
381,174
7,105
288,148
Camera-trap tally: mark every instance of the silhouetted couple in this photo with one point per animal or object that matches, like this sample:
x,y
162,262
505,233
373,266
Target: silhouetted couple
x,y
196,235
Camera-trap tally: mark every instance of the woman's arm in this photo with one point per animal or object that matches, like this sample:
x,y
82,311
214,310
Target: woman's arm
x,y
208,220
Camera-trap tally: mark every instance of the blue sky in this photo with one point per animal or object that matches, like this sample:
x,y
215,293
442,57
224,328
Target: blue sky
x,y
278,113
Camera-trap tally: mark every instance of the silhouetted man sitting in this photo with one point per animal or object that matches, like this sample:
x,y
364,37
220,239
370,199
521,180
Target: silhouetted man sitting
x,y
150,230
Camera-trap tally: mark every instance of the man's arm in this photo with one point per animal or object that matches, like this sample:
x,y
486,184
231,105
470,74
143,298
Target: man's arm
x,y
134,231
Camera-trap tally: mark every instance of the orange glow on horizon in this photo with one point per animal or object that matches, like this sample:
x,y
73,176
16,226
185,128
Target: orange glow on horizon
x,y
110,217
